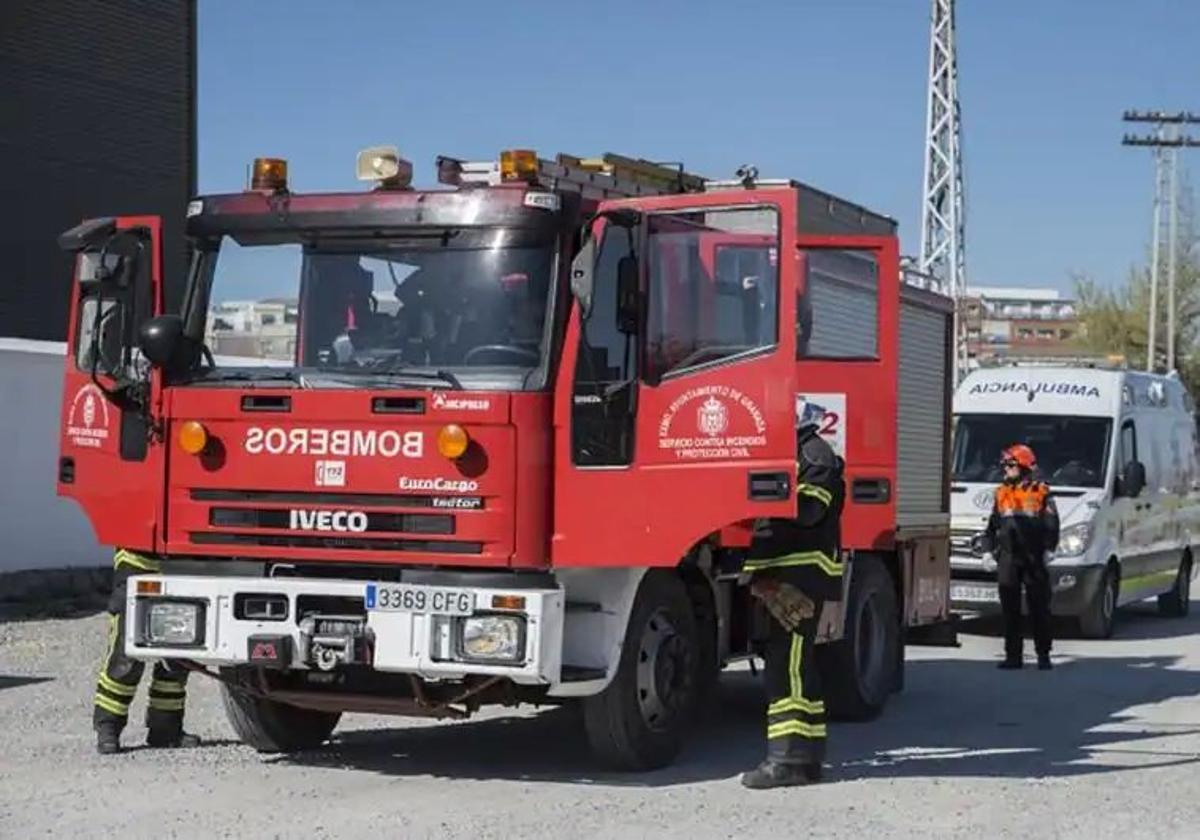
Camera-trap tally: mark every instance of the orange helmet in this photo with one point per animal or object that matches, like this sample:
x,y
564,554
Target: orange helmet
x,y
1022,454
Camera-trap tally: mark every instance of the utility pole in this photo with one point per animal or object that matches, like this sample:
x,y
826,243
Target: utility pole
x,y
943,224
1166,141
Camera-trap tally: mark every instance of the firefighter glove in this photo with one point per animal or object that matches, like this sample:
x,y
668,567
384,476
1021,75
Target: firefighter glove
x,y
786,603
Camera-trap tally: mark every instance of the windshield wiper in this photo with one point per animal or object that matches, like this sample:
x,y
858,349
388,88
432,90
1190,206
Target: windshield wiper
x,y
264,375
400,371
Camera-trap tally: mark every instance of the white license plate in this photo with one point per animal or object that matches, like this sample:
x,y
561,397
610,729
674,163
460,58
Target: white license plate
x,y
968,592
432,600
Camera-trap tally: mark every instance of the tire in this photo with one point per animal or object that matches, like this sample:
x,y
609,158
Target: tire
x,y
1177,602
1100,616
272,727
638,722
860,671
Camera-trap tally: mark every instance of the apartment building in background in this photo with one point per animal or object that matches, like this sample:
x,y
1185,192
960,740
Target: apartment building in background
x,y
1019,322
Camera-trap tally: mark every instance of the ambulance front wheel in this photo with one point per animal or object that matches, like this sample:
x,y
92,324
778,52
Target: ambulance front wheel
x,y
272,727
638,722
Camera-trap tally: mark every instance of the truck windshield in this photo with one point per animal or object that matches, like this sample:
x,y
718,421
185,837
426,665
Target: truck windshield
x,y
1071,451
466,307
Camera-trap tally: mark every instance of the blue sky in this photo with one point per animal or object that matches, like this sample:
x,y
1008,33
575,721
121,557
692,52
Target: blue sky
x,y
831,93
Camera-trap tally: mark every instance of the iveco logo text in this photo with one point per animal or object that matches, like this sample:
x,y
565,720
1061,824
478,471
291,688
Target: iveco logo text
x,y
439,485
368,443
327,520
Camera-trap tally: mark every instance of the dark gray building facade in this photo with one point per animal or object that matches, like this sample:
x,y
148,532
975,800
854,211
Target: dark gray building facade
x,y
97,118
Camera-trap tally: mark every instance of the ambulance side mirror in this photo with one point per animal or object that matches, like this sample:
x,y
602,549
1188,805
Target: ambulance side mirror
x,y
1133,480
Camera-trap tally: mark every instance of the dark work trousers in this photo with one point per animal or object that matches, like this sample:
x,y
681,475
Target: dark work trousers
x,y
1036,582
795,703
119,675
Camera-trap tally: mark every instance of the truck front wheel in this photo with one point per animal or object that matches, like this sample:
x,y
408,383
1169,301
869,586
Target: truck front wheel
x,y
860,670
638,721
272,727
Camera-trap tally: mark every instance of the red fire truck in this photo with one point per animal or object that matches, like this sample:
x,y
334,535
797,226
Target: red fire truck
x,y
503,441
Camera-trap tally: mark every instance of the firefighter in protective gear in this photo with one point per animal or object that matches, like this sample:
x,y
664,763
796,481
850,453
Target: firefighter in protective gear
x,y
119,675
795,568
1021,535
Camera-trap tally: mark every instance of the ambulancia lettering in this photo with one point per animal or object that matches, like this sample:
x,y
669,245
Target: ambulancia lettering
x,y
327,520
1032,389
366,443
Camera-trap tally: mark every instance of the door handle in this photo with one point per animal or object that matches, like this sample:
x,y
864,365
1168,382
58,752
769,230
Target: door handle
x,y
770,486
871,491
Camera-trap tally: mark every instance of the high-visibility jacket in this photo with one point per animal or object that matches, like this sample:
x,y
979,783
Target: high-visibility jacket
x,y
805,549
1023,526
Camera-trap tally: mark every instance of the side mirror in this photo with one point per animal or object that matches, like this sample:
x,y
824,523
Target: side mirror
x,y
87,234
628,295
162,342
582,272
1133,481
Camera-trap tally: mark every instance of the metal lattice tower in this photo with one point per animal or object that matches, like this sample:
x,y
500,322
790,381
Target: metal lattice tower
x,y
943,225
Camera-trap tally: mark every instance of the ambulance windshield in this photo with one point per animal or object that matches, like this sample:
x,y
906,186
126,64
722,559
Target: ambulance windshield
x,y
1071,451
471,303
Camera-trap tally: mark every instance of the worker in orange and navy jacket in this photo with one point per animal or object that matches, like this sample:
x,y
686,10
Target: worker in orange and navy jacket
x,y
119,675
1021,535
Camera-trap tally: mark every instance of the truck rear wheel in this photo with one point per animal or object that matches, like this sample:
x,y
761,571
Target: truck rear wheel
x,y
638,721
860,671
272,727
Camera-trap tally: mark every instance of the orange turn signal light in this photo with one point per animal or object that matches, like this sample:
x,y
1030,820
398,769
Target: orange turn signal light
x,y
193,437
149,587
508,602
452,441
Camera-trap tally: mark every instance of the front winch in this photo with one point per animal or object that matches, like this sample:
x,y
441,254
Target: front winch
x,y
328,641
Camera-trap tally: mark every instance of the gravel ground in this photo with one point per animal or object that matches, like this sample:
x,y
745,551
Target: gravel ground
x,y
1107,745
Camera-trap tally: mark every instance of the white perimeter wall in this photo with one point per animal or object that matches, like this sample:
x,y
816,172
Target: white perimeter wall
x,y
38,530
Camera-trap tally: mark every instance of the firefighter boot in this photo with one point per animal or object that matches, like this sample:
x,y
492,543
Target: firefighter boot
x,y
1010,663
772,774
108,739
1044,663
171,739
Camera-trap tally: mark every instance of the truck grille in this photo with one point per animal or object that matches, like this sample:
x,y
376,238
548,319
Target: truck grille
x,y
338,542
278,519
335,521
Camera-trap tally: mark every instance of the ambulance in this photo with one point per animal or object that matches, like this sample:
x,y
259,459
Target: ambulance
x,y
1119,451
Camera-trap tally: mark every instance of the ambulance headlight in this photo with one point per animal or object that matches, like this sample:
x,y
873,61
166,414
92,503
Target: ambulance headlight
x,y
174,623
1074,540
493,638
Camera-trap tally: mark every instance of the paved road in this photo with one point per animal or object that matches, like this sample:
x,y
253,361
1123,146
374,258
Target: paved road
x,y
1107,745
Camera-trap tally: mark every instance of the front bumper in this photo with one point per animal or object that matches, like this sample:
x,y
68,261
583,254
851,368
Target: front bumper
x,y
393,641
973,589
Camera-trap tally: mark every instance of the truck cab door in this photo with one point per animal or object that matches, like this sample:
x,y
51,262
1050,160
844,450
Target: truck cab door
x,y
846,369
110,461
674,407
